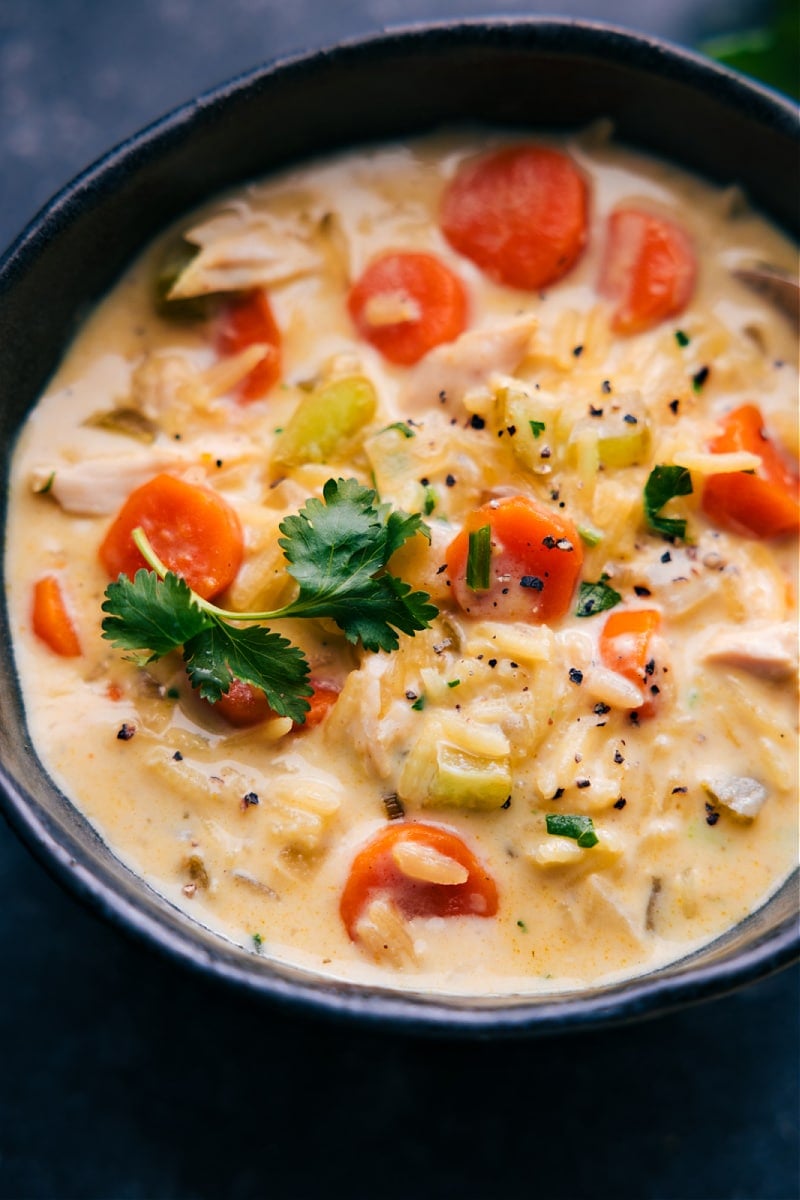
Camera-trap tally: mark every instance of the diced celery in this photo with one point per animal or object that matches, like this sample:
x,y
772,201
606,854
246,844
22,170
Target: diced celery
x,y
622,436
395,468
444,770
324,420
464,780
535,420
174,260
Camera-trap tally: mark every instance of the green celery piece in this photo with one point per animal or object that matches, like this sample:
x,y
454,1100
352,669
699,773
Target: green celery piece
x,y
463,780
395,467
175,259
324,420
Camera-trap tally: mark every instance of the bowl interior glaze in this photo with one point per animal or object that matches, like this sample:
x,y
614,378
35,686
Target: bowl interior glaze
x,y
534,73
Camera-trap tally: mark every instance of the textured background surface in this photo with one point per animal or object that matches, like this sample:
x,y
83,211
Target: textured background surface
x,y
123,1078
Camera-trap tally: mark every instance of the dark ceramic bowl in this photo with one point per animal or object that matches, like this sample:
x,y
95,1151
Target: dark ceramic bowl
x,y
536,73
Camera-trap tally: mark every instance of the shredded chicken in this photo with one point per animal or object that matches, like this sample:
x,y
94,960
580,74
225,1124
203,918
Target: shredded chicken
x,y
240,249
767,651
458,367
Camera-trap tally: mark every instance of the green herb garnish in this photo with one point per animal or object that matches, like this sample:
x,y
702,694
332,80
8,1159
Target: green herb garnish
x,y
401,427
580,829
430,501
682,338
537,428
663,484
336,549
420,703
479,559
595,598
590,536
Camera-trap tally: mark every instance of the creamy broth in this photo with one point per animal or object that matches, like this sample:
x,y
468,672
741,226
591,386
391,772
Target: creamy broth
x,y
253,831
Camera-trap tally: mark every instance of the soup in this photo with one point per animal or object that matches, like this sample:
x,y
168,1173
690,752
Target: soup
x,y
457,647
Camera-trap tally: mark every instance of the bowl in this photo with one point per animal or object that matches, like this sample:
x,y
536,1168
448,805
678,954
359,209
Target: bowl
x,y
538,73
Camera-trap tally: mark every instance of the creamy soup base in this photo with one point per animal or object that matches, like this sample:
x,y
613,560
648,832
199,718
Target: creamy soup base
x,y
674,779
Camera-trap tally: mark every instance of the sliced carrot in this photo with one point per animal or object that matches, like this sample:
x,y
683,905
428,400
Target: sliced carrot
x,y
625,647
375,874
51,619
192,530
404,304
648,269
536,558
244,705
247,320
764,504
520,213
320,703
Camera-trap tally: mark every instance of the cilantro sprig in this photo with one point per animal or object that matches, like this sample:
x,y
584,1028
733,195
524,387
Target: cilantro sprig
x,y
336,549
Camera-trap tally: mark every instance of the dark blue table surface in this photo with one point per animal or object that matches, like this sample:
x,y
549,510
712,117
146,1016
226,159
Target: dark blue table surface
x,y
121,1077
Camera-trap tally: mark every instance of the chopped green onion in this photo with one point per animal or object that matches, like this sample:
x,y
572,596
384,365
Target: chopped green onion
x,y
258,942
401,427
590,536
522,926
430,501
595,598
479,559
665,482
419,703
580,829
451,683
682,338
537,427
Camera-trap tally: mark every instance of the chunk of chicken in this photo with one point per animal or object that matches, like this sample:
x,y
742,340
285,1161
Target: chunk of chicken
x,y
241,248
766,651
452,370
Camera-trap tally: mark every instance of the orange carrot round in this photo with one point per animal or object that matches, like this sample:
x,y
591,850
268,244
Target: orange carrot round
x,y
429,302
52,622
375,874
247,320
648,270
536,558
625,647
520,214
192,529
761,505
244,705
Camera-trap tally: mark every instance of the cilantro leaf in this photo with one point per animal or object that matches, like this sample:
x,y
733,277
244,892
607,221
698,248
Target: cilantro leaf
x,y
337,550
223,652
595,598
663,484
148,613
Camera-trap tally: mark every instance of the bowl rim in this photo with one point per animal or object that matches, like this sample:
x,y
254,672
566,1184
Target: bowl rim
x,y
638,997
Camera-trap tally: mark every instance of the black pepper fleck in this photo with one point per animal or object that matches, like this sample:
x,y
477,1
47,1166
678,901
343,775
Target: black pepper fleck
x,y
575,676
477,422
583,783
606,387
620,803
640,590
126,732
532,581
